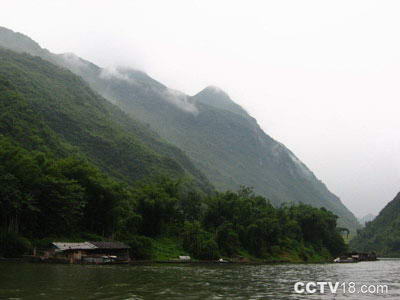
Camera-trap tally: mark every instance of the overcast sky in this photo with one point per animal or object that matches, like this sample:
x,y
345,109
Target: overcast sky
x,y
322,77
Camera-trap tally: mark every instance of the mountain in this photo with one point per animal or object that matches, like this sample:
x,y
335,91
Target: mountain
x,y
382,234
224,141
366,218
217,134
48,108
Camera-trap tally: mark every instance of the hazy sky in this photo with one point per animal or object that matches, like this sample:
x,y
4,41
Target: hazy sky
x,y
323,77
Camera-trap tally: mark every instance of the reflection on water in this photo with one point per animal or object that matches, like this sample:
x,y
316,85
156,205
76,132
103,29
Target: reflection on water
x,y
40,281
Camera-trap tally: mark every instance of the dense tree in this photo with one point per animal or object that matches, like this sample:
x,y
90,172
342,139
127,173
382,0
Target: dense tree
x,y
157,204
43,196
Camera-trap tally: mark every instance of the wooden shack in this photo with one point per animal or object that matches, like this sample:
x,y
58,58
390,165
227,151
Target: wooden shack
x,y
87,252
116,250
71,252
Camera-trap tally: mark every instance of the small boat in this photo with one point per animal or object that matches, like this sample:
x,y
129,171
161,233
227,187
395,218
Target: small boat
x,y
356,257
345,259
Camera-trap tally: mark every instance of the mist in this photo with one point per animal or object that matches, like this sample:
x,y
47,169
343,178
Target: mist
x,y
321,77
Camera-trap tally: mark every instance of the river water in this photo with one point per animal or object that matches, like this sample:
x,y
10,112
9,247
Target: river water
x,y
185,281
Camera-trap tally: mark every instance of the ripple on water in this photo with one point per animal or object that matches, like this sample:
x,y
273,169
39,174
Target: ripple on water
x,y
31,281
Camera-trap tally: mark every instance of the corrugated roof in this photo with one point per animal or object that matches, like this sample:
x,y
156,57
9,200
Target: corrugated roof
x,y
74,246
110,245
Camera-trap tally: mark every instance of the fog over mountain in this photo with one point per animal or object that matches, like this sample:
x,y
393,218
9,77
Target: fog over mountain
x,y
219,136
319,77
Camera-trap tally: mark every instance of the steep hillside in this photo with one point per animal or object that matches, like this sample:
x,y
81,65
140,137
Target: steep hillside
x,y
49,108
381,235
219,136
224,142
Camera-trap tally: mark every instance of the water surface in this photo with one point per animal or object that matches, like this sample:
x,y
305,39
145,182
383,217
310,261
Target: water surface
x,y
184,281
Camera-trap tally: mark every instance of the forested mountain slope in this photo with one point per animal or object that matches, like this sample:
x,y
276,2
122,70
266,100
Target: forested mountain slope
x,y
48,108
219,136
382,234
224,142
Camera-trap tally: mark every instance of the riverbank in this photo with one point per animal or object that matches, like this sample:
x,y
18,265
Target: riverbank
x,y
232,225
167,250
32,259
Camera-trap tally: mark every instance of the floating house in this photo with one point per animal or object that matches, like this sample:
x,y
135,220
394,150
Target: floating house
x,y
356,257
87,252
359,256
116,250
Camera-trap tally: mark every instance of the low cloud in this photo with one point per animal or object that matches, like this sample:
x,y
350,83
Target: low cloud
x,y
73,61
115,72
180,100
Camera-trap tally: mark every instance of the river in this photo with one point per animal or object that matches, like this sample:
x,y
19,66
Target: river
x,y
185,281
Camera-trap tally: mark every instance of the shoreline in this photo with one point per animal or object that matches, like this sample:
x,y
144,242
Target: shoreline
x,y
155,262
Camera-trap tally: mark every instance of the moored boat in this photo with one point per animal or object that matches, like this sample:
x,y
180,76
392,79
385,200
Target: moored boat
x,y
345,259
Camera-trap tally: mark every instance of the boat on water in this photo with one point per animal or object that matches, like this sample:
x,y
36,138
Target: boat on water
x,y
345,259
356,257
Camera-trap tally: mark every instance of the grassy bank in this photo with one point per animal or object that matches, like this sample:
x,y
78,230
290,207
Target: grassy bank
x,y
169,249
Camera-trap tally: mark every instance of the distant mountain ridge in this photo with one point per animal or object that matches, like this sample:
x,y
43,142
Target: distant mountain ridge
x,y
382,234
366,218
219,136
214,96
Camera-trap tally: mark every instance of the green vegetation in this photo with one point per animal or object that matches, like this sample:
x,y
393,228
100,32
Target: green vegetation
x,y
47,108
13,245
44,197
75,167
165,248
223,141
382,235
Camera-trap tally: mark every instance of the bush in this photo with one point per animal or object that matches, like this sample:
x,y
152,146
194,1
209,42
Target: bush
x,y
227,239
141,247
208,250
87,236
42,243
12,245
198,242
